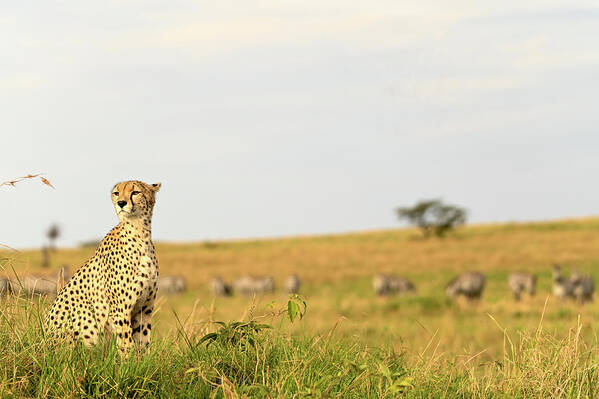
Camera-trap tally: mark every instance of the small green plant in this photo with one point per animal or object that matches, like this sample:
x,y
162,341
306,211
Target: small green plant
x,y
296,306
240,333
235,333
397,381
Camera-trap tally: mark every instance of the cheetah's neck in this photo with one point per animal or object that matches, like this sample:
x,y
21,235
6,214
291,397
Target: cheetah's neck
x,y
141,227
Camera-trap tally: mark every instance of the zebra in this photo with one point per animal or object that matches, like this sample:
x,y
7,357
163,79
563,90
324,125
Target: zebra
x,y
253,285
35,285
219,287
469,285
583,287
168,285
4,286
562,286
292,284
520,282
391,284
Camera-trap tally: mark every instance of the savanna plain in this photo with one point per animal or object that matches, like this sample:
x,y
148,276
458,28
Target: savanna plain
x,y
349,342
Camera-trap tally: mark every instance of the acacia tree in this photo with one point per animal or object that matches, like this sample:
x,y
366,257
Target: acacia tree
x,y
53,233
433,217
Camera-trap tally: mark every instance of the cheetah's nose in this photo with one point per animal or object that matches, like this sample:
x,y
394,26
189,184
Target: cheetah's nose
x,y
122,203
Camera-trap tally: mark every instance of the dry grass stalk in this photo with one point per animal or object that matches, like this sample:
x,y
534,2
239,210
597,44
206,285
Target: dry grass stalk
x,y
13,182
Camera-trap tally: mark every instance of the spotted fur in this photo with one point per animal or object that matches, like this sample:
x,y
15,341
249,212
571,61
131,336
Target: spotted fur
x,y
116,289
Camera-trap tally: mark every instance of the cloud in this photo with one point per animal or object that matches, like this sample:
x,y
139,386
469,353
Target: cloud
x,y
18,82
334,109
215,29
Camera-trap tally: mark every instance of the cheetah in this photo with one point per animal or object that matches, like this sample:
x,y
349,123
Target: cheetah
x,y
115,290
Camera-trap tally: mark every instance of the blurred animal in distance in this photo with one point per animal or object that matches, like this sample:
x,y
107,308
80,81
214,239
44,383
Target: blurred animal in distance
x,y
219,288
33,284
169,285
562,286
520,282
4,286
384,284
254,285
583,287
470,285
292,284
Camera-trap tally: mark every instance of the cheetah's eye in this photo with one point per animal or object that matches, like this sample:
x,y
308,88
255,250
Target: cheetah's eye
x,y
116,193
135,193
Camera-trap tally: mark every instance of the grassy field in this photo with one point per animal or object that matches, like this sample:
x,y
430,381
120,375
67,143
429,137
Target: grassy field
x,y
350,343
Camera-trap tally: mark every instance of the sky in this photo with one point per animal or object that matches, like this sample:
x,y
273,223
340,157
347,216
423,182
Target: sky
x,y
277,118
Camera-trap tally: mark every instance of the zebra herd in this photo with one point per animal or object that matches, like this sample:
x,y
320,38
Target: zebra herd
x,y
470,285
577,287
252,285
35,285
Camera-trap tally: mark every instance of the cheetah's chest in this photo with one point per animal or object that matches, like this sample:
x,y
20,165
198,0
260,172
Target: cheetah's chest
x,y
147,269
146,276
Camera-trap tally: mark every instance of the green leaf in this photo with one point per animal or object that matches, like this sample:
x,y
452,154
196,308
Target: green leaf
x,y
405,382
401,385
293,310
262,326
208,337
385,370
192,370
296,306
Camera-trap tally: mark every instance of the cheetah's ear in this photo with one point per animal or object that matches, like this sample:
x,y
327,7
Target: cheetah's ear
x,y
155,187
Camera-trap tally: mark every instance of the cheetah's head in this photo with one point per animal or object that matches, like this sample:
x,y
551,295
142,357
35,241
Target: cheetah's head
x,y
134,199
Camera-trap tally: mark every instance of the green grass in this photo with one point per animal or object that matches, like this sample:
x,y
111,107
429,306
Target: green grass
x,y
259,362
350,342
263,360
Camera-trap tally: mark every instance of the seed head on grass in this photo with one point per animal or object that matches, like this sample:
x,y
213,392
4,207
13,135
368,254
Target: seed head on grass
x,y
13,182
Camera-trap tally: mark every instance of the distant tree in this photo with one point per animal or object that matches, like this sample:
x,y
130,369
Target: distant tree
x,y
433,217
53,233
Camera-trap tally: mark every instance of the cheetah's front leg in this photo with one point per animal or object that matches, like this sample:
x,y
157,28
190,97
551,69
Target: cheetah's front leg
x,y
141,320
121,327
